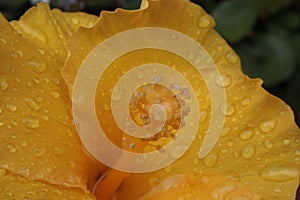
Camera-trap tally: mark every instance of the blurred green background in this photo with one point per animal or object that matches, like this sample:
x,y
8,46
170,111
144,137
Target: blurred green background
x,y
265,33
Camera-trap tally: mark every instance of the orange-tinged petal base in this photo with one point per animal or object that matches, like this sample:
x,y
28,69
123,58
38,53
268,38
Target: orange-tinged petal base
x,y
206,186
17,187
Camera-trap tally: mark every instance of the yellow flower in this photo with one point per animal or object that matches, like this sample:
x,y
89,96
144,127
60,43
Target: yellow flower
x,y
256,157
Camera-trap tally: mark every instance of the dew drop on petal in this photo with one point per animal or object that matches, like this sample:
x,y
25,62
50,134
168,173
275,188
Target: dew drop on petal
x,y
54,94
279,172
11,107
219,48
74,21
267,126
225,131
268,144
3,41
39,151
246,135
32,104
106,107
248,151
23,143
11,148
245,101
3,85
204,21
31,122
203,116
210,160
231,58
37,66
227,109
223,81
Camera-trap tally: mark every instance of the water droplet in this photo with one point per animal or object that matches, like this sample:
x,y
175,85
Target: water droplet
x,y
246,135
1,123
221,191
248,151
1,111
74,21
268,144
9,194
223,81
11,148
11,107
37,66
231,58
14,123
31,193
203,116
28,84
225,131
3,85
55,80
39,98
219,48
58,150
227,109
32,104
41,51
36,80
23,143
204,21
39,151
31,122
54,94
14,55
210,160
17,79
279,172
277,190
3,41
230,144
245,101
224,151
23,171
106,107
267,126
286,142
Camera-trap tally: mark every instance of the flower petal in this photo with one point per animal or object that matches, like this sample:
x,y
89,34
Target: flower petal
x,y
207,186
259,146
53,28
38,138
14,186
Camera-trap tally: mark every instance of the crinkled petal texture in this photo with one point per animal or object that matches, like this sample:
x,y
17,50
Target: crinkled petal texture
x,y
41,156
258,153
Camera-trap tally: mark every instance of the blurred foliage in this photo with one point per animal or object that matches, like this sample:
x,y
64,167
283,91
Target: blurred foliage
x,y
265,33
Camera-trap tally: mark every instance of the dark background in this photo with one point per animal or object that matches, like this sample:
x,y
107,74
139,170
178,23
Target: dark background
x,y
265,33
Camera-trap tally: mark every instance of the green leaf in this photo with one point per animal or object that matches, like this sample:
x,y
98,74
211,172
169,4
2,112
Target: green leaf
x,y
130,4
270,57
271,6
234,18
